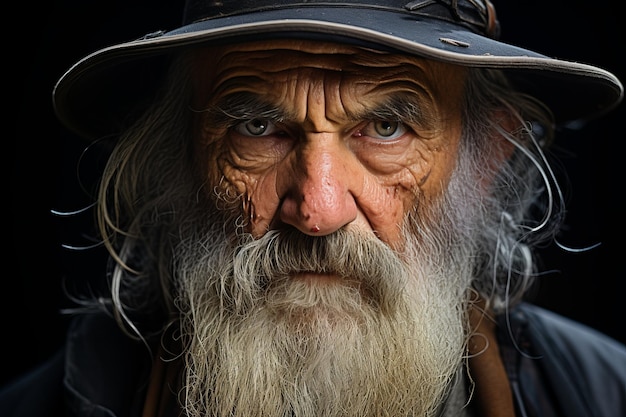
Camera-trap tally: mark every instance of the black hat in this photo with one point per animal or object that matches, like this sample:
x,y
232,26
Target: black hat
x,y
94,94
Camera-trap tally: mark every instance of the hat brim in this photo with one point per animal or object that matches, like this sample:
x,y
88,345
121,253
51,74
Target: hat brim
x,y
94,94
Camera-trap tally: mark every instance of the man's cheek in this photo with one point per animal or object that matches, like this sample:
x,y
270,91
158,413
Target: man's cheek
x,y
263,204
232,179
252,196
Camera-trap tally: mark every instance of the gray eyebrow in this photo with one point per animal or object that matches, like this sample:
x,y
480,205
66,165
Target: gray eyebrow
x,y
400,107
241,106
246,106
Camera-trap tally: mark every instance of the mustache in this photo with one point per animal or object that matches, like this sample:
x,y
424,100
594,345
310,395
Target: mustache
x,y
354,256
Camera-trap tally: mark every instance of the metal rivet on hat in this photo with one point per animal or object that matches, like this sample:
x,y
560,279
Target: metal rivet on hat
x,y
455,42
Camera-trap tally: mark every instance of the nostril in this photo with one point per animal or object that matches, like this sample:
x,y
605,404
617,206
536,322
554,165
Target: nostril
x,y
319,213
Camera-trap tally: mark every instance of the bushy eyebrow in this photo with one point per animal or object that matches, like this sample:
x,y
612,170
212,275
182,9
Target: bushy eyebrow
x,y
230,110
410,109
402,108
245,106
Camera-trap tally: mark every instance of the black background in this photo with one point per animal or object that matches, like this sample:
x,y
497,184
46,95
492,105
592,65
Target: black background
x,y
47,37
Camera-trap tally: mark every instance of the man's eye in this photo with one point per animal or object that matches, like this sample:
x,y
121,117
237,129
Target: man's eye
x,y
256,127
384,129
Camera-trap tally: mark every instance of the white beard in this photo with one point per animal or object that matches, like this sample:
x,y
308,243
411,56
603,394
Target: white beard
x,y
386,340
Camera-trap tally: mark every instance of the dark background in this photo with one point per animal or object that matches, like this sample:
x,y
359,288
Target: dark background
x,y
42,157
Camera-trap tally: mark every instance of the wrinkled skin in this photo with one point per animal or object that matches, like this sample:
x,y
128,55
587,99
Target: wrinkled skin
x,y
324,148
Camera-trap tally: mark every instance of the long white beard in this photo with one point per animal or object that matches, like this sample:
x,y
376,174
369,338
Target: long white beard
x,y
384,341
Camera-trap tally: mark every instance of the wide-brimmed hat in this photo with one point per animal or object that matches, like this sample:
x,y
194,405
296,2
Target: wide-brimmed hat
x,y
95,94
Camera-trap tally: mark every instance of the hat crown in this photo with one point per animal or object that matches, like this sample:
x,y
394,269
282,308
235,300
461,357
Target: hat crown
x,y
477,15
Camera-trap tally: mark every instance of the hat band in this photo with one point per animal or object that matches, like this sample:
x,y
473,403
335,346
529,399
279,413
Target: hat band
x,y
477,15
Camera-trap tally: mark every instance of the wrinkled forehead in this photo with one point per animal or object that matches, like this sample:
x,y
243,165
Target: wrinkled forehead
x,y
279,59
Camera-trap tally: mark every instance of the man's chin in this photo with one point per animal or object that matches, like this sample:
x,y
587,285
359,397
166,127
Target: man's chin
x,y
321,298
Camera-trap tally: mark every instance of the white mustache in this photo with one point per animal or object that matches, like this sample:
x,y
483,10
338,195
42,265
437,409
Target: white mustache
x,y
348,254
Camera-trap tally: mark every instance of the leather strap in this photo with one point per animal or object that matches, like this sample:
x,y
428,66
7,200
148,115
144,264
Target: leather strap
x,y
493,395
162,395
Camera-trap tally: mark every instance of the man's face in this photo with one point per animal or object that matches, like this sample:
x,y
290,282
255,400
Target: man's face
x,y
322,136
338,288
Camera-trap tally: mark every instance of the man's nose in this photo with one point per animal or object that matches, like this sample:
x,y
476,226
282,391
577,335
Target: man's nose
x,y
320,190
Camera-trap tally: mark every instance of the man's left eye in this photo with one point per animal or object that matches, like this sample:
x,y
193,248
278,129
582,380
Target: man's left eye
x,y
256,127
384,129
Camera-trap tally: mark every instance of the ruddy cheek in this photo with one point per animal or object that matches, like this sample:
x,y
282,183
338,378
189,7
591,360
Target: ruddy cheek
x,y
382,205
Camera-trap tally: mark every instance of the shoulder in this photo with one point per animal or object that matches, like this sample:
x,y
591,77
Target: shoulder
x,y
96,373
580,370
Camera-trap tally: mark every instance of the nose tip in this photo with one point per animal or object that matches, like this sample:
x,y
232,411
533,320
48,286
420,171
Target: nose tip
x,y
319,212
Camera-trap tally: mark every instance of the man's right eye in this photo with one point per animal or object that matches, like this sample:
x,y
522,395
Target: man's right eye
x,y
256,127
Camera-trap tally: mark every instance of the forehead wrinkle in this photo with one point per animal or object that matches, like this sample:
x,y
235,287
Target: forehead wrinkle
x,y
394,100
346,93
405,91
371,73
324,107
248,61
225,89
403,78
387,86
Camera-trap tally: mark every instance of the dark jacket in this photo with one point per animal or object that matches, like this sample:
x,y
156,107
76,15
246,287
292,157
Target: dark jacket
x,y
556,367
